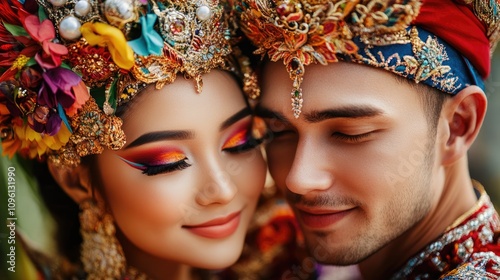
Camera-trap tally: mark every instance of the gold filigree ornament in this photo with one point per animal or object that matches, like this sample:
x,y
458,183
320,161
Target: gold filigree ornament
x,y
302,32
93,131
96,55
101,253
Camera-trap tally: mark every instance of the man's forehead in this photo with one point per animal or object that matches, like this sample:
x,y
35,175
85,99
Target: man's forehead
x,y
338,84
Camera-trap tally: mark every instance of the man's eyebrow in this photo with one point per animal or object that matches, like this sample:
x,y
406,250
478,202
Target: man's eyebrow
x,y
236,117
266,113
161,135
342,112
318,116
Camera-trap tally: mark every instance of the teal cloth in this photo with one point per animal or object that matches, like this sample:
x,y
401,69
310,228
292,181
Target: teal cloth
x,y
150,41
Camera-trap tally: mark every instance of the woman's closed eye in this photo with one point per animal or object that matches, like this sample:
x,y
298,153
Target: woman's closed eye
x,y
243,140
158,162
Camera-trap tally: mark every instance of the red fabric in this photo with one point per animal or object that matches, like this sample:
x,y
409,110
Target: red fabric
x,y
456,24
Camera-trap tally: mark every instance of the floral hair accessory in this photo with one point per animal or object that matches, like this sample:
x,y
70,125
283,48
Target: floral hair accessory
x,y
445,44
65,66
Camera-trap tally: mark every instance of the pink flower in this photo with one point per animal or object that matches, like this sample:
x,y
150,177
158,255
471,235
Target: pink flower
x,y
44,32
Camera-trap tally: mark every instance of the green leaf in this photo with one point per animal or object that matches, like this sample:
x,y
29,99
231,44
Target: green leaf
x,y
66,65
112,94
31,62
98,94
41,14
15,30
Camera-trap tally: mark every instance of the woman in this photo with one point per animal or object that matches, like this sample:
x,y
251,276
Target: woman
x,y
180,191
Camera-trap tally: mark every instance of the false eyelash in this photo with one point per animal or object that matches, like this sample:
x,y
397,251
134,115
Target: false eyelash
x,y
165,168
151,170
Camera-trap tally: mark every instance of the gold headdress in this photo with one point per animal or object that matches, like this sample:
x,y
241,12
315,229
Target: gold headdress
x,y
67,64
442,43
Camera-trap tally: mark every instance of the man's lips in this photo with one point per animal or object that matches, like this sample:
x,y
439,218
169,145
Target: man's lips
x,y
217,228
321,218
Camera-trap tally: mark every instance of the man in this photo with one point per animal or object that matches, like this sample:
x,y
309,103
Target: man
x,y
372,153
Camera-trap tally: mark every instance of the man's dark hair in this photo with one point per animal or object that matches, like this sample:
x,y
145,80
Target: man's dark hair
x,y
432,100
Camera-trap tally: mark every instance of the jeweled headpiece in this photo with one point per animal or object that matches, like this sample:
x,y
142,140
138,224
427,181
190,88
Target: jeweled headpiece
x,y
445,44
65,66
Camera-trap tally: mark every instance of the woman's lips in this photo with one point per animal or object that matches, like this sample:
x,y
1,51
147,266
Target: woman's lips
x,y
217,228
321,218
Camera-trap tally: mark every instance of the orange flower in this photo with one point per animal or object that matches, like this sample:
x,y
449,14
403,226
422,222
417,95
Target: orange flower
x,y
81,96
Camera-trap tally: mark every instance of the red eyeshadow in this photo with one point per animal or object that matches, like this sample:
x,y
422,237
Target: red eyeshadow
x,y
155,156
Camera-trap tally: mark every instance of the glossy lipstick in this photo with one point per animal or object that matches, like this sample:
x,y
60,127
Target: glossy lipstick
x,y
321,219
217,228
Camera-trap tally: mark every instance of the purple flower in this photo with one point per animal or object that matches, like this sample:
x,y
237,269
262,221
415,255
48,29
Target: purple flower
x,y
45,120
57,88
55,94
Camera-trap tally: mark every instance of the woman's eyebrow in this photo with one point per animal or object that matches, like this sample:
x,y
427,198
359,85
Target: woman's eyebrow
x,y
267,113
236,117
161,135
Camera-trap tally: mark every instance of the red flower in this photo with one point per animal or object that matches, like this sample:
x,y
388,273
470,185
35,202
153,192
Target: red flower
x,y
13,13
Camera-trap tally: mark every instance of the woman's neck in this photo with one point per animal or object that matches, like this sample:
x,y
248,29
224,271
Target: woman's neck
x,y
154,267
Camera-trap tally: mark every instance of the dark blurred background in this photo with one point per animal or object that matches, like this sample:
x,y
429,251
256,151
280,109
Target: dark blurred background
x,y
484,156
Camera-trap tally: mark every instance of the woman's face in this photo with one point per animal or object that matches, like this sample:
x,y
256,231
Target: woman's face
x,y
186,184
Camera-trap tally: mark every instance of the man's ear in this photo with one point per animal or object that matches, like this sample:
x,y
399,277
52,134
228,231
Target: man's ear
x,y
464,115
75,181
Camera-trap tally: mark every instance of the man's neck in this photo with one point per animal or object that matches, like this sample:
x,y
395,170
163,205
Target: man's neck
x,y
456,198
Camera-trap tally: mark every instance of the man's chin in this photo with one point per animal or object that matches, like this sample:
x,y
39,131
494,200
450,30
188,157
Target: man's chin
x,y
338,255
339,261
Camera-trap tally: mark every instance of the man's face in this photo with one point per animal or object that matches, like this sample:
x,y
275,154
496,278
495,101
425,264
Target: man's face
x,y
358,165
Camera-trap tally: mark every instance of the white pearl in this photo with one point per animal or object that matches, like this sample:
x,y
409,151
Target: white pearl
x,y
69,28
203,12
119,12
58,3
82,8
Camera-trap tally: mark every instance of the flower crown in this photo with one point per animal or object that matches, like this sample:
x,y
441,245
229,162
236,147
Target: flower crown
x,y
396,35
65,66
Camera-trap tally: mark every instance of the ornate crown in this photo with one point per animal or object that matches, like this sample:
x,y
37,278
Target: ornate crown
x,y
66,65
390,34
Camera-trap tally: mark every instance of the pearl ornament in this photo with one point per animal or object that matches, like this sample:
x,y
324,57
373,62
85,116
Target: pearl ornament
x,y
203,13
82,8
119,12
69,28
57,3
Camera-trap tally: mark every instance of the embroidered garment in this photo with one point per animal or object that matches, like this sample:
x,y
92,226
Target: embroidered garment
x,y
469,249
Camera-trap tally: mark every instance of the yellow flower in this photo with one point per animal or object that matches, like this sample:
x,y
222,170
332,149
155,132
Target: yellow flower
x,y
105,35
35,144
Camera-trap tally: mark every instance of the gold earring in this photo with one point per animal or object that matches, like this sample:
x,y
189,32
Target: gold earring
x,y
101,253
